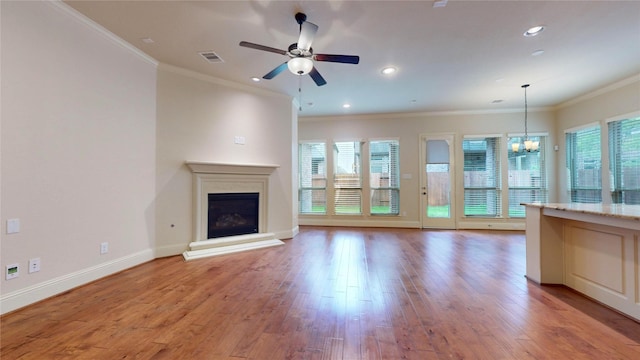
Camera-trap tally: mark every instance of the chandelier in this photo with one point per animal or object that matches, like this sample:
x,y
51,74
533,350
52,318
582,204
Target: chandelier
x,y
527,145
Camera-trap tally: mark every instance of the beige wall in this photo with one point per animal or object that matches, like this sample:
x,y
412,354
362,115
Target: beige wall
x,y
408,128
198,118
77,151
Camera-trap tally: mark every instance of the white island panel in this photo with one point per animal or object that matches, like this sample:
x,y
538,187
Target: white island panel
x,y
591,248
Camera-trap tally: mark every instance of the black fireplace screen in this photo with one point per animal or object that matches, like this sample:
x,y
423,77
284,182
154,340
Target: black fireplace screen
x,y
232,214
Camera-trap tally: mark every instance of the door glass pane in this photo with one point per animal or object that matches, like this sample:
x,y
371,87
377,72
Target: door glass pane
x,y
438,179
438,191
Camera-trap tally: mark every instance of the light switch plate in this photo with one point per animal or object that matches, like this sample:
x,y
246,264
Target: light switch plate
x,y
13,226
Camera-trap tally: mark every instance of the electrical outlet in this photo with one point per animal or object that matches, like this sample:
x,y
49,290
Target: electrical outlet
x,y
34,265
12,272
104,248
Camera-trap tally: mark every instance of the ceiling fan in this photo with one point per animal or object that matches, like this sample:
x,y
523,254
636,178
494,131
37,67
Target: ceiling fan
x,y
301,54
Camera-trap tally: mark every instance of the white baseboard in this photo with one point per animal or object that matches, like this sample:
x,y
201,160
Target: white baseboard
x,y
462,225
287,234
488,225
359,223
170,250
32,294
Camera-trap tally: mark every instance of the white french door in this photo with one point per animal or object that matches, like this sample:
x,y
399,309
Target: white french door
x,y
437,198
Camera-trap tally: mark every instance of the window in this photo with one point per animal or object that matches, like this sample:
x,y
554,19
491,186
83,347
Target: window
x,y
347,179
624,161
584,165
482,196
312,188
527,176
384,177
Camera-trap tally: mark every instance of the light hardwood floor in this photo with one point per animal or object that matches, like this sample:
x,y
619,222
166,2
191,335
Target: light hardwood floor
x,y
329,293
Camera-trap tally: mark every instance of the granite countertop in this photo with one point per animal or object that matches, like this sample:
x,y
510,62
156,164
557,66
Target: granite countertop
x,y
622,211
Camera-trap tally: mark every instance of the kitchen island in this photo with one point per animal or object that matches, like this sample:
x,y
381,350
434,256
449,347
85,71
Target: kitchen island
x,y
591,248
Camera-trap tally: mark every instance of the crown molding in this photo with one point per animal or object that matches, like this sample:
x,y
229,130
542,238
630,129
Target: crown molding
x,y
601,91
73,13
214,80
408,115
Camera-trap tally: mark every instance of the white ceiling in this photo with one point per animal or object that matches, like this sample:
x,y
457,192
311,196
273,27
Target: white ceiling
x,y
460,57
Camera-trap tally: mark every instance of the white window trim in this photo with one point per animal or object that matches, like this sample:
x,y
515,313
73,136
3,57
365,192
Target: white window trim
x,y
631,115
582,127
483,136
512,135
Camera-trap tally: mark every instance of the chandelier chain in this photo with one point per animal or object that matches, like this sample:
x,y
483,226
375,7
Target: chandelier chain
x,y
526,133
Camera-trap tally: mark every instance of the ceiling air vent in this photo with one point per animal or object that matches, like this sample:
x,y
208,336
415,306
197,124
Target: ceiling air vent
x,y
211,57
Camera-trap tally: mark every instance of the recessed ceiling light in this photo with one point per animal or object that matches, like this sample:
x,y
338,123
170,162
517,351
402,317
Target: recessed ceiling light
x,y
346,106
534,30
388,70
255,79
537,52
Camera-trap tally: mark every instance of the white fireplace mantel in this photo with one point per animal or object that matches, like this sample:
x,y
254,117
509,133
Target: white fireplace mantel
x,y
229,168
212,178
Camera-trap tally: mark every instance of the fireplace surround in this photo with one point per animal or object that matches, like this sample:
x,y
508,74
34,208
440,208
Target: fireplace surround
x,y
222,178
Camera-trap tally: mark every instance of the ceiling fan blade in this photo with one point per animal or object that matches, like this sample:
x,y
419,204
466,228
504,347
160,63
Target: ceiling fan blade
x,y
276,71
345,59
307,33
262,47
317,78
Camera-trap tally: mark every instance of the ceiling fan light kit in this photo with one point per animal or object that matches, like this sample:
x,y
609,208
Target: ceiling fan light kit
x,y
300,65
301,54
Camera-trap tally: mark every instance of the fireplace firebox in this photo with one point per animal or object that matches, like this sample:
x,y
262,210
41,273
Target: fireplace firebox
x,y
232,214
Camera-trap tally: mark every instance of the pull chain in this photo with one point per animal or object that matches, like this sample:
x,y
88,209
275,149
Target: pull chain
x,y
299,93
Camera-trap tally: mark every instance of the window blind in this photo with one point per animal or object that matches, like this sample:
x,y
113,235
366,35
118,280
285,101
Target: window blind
x,y
527,176
482,194
312,188
384,177
583,161
347,179
624,160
